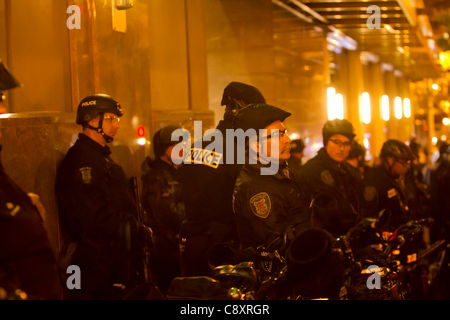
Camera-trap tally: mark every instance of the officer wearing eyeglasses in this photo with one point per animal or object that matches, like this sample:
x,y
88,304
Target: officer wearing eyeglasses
x,y
97,207
384,185
328,173
265,202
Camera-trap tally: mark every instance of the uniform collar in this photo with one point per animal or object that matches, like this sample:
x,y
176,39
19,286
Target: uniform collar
x,y
104,150
331,163
224,125
282,173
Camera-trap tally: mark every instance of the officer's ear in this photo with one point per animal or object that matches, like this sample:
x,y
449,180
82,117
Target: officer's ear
x,y
254,146
95,121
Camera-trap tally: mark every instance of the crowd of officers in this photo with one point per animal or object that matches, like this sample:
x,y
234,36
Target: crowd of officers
x,y
179,222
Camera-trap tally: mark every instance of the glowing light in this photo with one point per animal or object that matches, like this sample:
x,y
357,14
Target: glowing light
x,y
331,103
141,132
444,59
443,137
339,106
434,86
407,108
434,140
385,107
294,136
446,121
398,108
366,143
366,108
142,141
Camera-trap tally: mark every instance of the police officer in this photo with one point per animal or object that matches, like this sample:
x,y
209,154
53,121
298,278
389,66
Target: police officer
x,y
266,202
163,203
28,268
384,185
98,208
357,163
295,161
208,187
328,173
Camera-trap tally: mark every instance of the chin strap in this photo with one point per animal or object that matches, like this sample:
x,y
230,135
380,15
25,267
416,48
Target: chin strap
x,y
99,129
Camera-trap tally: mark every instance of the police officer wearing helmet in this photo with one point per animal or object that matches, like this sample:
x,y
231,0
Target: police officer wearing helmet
x,y
328,173
208,188
28,268
98,208
162,201
265,202
384,185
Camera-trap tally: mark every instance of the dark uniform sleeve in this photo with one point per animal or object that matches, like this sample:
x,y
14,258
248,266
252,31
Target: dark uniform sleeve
x,y
337,219
27,261
95,210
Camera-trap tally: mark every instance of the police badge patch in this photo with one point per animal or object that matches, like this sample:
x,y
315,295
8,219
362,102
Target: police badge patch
x,y
261,205
370,193
86,175
327,177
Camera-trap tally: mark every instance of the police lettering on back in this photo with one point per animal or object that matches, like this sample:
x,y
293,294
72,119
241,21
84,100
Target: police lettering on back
x,y
212,155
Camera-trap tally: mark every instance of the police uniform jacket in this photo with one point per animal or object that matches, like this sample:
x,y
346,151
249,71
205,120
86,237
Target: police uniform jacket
x,y
100,214
266,205
322,175
27,261
385,192
208,182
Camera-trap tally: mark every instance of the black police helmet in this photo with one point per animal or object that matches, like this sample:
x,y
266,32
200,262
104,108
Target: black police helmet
x,y
162,140
92,105
7,80
297,145
338,126
396,149
242,91
258,116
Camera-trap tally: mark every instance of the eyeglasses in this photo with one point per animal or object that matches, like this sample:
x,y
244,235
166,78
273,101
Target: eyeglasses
x,y
341,144
277,134
111,119
404,163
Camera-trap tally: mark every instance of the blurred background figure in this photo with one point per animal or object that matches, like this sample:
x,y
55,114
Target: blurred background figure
x,y
356,160
162,202
295,161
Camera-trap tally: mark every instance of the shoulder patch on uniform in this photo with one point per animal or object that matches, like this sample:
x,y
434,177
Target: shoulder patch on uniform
x,y
86,174
327,177
209,158
261,205
370,193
